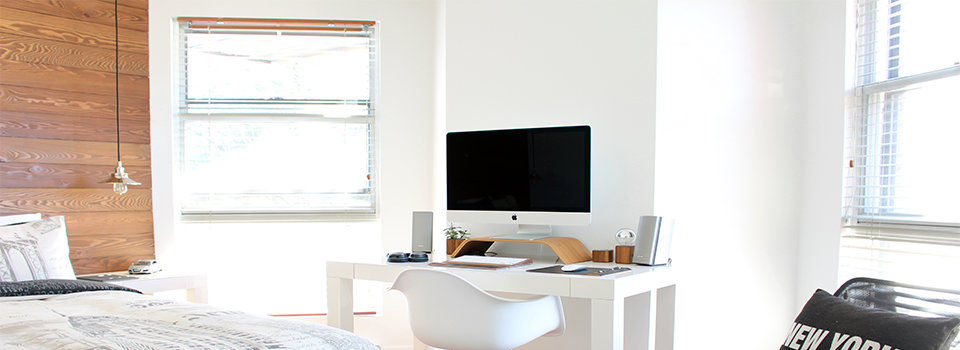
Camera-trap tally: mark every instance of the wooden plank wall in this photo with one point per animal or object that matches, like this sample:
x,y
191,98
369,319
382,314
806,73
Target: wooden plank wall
x,y
57,132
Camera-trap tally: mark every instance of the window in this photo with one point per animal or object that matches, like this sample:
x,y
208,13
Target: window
x,y
277,117
901,193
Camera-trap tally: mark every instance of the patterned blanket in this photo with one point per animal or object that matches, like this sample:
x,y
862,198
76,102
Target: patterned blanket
x,y
124,320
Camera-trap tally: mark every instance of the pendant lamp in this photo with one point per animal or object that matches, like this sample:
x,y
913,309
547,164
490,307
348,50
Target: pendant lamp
x,y
119,179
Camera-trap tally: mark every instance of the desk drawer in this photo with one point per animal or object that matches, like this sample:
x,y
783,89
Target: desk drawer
x,y
525,283
382,273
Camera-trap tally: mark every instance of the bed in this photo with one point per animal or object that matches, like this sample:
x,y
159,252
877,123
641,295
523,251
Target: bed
x,y
44,306
74,314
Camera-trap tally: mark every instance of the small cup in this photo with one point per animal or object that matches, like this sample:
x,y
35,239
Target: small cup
x,y
624,254
603,255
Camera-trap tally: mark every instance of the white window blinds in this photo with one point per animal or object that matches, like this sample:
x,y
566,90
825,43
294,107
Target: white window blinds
x,y
901,196
277,116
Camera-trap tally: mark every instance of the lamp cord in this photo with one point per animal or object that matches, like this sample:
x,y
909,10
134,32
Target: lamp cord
x,y
116,76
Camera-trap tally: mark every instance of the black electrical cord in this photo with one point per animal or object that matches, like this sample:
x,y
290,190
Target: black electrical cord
x,y
116,75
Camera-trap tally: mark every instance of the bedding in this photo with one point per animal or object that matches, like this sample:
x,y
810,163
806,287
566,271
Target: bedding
x,y
121,319
18,219
35,250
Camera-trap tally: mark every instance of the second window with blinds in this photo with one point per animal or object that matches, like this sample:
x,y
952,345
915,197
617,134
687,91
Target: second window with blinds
x,y
901,213
277,117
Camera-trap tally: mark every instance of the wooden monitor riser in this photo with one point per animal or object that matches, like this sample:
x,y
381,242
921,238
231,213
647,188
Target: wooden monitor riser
x,y
569,250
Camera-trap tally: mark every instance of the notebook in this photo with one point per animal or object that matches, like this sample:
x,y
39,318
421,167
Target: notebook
x,y
488,261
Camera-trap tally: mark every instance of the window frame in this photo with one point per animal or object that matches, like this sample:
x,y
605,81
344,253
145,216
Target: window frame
x,y
887,247
254,26
864,131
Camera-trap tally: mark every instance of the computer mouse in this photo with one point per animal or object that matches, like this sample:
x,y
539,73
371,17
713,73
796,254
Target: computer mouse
x,y
572,268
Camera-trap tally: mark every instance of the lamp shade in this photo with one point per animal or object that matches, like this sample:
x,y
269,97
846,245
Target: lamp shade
x,y
120,180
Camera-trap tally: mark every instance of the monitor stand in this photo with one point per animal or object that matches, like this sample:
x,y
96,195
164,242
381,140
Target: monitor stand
x,y
528,233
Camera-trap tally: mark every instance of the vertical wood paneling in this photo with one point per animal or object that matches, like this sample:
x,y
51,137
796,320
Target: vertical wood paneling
x,y
57,133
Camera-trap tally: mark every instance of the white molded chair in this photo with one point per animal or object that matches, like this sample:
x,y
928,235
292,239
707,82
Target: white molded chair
x,y
447,311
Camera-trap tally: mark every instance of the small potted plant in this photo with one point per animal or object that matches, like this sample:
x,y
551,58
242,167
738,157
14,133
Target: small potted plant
x,y
456,235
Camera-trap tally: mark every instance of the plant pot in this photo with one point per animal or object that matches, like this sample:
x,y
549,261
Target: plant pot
x,y
452,245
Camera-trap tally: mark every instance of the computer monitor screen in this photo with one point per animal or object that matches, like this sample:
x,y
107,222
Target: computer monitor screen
x,y
519,170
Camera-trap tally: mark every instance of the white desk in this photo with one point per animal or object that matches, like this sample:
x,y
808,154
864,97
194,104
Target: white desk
x,y
606,294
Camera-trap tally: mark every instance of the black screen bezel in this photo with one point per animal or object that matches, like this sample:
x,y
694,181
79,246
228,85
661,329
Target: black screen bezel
x,y
584,208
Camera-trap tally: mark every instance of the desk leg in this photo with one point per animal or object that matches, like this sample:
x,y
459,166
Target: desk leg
x,y
340,303
666,305
198,294
606,324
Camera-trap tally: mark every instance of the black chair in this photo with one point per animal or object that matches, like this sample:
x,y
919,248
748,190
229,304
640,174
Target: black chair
x,y
902,298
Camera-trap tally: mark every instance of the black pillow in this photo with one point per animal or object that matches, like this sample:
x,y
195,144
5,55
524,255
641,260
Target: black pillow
x,y
830,323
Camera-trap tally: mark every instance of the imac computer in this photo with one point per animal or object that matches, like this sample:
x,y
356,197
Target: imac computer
x,y
531,177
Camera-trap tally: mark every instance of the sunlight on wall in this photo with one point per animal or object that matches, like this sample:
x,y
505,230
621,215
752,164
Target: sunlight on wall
x,y
280,267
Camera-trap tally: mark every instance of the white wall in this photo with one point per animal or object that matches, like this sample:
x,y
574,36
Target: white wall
x,y
821,157
735,106
513,64
748,132
406,117
747,160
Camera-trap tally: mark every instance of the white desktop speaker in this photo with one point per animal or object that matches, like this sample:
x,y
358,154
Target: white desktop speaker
x,y
654,237
422,231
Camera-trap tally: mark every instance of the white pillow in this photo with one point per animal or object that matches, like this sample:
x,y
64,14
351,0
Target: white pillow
x,y
18,219
35,250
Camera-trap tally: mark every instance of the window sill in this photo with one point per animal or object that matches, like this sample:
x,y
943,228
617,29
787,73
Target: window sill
x,y
278,217
904,233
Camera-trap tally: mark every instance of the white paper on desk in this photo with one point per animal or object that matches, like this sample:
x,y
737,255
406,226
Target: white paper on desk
x,y
493,260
